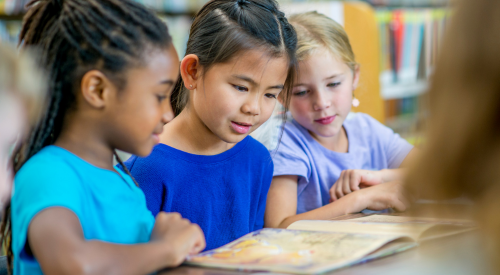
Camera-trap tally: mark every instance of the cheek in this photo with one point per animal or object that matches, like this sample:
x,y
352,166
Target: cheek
x,y
343,100
215,102
267,108
300,107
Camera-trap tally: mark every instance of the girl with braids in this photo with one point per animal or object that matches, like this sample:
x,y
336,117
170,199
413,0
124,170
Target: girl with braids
x,y
240,58
111,68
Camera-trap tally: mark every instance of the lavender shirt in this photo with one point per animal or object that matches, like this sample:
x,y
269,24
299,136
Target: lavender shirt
x,y
372,146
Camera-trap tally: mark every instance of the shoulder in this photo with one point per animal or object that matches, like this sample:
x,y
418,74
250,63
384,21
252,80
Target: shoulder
x,y
257,148
51,164
294,141
364,125
154,161
363,120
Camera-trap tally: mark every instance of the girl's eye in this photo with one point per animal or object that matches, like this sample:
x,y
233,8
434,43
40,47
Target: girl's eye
x,y
240,88
301,93
161,98
270,95
334,84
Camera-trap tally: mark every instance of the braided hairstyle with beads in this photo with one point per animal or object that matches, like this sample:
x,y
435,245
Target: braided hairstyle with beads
x,y
74,37
224,28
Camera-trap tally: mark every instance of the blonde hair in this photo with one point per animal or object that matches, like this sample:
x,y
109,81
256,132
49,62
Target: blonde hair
x,y
315,31
462,152
20,76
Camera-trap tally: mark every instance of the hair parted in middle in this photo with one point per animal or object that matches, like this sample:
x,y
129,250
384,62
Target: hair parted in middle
x,y
224,28
316,30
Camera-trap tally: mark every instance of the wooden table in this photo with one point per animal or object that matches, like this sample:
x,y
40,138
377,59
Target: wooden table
x,y
458,255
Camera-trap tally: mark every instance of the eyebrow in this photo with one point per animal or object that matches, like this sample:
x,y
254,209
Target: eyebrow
x,y
333,76
326,78
168,82
253,83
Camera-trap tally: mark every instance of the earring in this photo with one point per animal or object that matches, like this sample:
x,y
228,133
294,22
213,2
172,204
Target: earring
x,y
355,102
191,86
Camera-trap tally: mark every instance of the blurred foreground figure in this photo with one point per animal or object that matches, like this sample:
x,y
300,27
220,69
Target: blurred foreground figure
x,y
462,152
21,97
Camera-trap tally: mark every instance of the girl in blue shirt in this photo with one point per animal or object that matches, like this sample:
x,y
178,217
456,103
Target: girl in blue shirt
x,y
112,67
326,158
240,58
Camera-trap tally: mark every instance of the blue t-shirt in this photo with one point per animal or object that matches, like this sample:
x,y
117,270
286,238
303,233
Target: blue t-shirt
x,y
109,205
224,194
372,146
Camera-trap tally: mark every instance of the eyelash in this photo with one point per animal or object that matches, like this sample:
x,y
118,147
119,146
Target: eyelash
x,y
161,98
335,84
301,93
271,96
240,88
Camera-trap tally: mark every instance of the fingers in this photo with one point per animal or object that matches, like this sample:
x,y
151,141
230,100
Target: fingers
x,y
333,189
199,243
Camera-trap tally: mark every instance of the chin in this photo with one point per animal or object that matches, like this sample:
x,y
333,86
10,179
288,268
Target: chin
x,y
234,138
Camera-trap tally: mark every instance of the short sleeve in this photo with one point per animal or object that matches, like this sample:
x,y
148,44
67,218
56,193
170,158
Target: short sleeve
x,y
395,148
42,184
289,157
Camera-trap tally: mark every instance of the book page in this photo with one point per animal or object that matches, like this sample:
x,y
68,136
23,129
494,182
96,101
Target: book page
x,y
412,230
300,252
402,219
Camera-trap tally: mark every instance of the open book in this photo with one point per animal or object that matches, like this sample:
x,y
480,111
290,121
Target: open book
x,y
311,247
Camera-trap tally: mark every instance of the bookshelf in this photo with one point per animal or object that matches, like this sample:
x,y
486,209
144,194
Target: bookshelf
x,y
395,64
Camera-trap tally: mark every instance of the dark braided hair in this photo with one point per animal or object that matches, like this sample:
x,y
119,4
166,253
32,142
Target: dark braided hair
x,y
74,37
225,28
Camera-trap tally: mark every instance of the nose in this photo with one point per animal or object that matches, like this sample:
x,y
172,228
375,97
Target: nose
x,y
321,101
251,105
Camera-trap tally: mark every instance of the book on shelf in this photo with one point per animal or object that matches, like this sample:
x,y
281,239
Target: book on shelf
x,y
312,247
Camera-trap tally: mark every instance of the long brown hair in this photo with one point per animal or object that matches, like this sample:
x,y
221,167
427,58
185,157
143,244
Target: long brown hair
x,y
462,153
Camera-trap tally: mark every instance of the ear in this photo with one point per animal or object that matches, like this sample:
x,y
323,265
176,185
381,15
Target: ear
x,y
95,88
190,69
355,78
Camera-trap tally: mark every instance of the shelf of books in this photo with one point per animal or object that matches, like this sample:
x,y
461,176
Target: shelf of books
x,y
396,42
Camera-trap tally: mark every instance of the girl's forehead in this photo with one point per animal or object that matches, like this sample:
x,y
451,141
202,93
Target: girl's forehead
x,y
255,63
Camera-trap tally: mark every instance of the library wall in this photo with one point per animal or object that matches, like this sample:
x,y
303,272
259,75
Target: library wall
x,y
396,42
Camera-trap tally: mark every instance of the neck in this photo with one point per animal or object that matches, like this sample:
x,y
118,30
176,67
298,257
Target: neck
x,y
337,143
79,137
188,133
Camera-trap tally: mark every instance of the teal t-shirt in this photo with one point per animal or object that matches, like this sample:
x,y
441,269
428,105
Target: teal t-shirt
x,y
109,205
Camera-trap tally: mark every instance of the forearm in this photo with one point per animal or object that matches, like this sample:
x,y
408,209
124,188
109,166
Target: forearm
x,y
345,205
388,175
96,257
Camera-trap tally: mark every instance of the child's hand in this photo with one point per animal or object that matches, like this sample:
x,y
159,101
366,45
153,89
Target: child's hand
x,y
180,236
379,197
352,180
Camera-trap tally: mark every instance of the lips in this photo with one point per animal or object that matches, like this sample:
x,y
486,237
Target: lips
x,y
325,120
241,127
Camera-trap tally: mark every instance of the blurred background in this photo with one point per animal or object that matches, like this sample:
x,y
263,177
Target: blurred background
x,y
395,41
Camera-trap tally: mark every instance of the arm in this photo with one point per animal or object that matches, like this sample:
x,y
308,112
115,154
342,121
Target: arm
x,y
282,202
355,179
56,239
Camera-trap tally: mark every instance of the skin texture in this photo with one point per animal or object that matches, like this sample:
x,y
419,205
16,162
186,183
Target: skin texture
x,y
106,118
324,89
243,90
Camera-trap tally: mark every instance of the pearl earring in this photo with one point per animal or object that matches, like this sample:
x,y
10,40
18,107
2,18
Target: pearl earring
x,y
355,102
191,86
